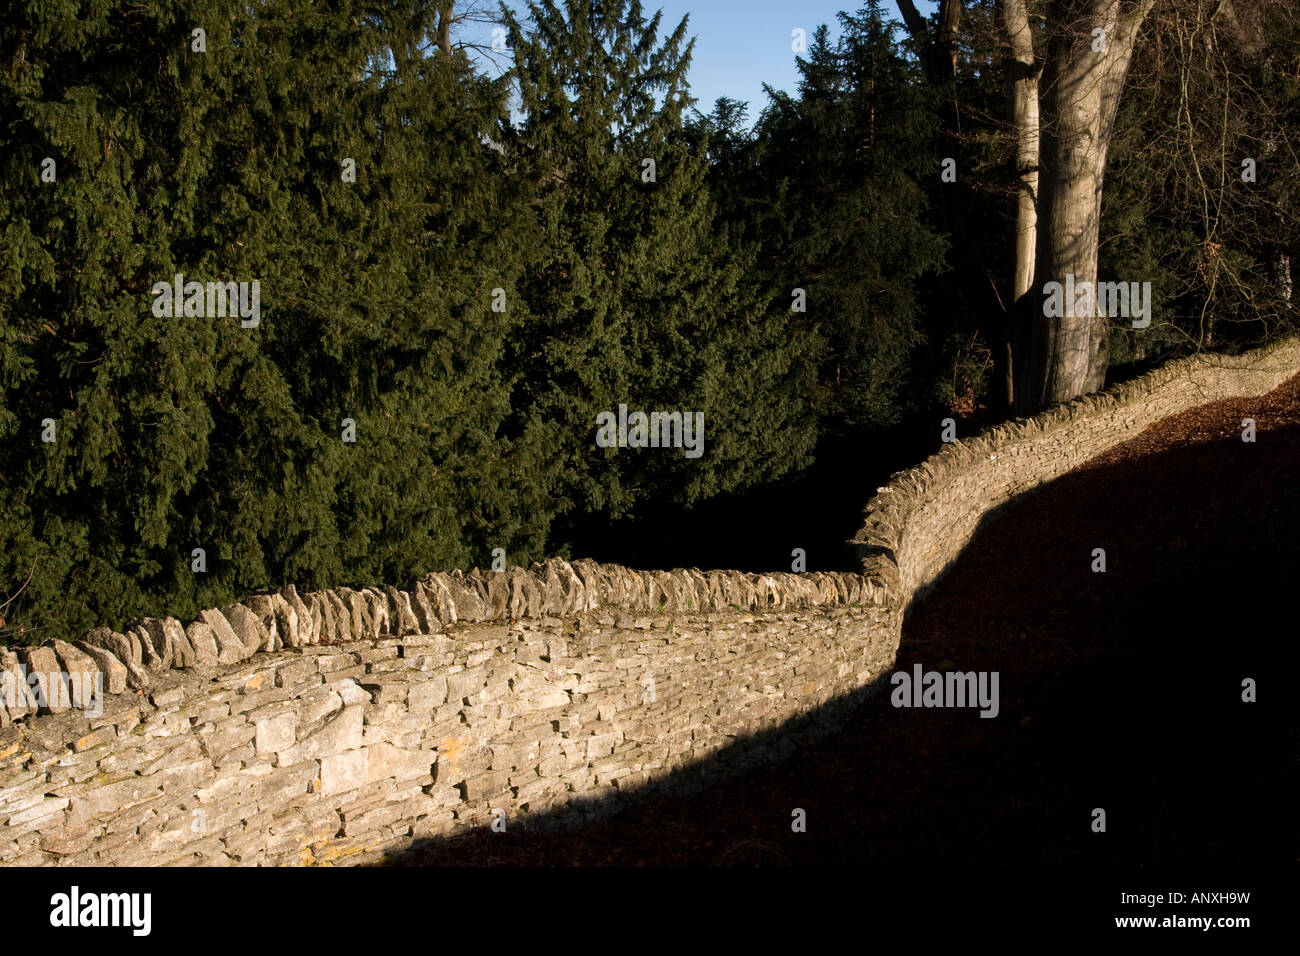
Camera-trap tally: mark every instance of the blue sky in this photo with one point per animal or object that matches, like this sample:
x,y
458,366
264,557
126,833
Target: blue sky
x,y
740,44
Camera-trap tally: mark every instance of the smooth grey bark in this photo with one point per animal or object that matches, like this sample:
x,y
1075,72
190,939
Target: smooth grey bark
x,y
1023,72
1069,355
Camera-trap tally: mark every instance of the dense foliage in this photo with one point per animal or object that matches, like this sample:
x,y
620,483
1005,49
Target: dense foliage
x,y
464,288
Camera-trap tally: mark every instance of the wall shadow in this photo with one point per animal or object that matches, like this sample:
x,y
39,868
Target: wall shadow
x,y
1119,690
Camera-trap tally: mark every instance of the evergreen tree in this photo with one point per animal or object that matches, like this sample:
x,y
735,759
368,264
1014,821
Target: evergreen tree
x,y
637,295
221,157
848,221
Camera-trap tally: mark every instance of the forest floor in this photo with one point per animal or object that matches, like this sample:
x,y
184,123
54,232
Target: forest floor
x,y
1119,690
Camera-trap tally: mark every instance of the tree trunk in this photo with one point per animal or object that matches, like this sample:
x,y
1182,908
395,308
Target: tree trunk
x,y
939,53
1069,354
444,27
949,21
1022,74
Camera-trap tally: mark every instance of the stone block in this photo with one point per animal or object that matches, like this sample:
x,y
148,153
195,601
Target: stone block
x,y
14,689
247,627
318,703
263,608
384,691
351,692
85,683
230,648
486,786
308,630
52,692
343,771
401,616
107,664
341,732
160,641
203,639
287,622
388,761
274,734
117,644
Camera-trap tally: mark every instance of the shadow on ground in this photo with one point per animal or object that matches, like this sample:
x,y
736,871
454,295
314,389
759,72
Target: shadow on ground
x,y
1119,690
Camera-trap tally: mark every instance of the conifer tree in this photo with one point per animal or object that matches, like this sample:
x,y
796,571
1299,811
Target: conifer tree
x,y
331,156
636,294
849,225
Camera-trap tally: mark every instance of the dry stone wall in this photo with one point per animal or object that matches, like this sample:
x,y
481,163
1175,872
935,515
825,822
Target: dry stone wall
x,y
917,524
342,725
338,726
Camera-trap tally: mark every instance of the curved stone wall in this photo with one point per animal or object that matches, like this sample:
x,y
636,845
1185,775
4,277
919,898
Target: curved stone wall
x,y
917,524
341,725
